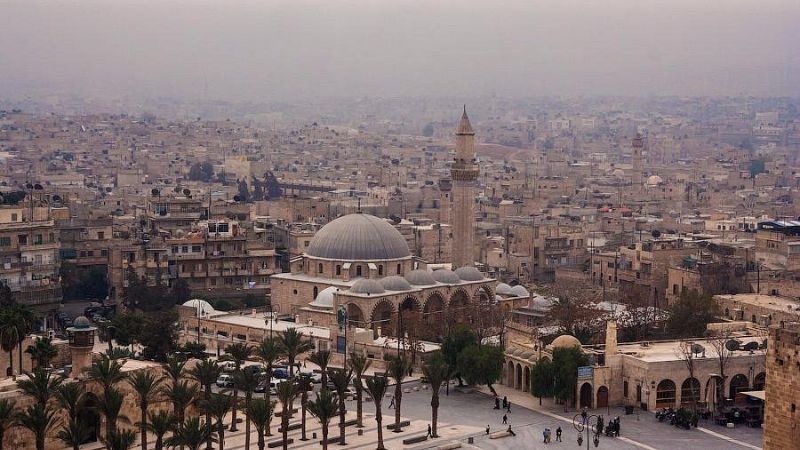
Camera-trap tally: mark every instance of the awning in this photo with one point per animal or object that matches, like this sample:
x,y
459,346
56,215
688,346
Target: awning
x,y
755,394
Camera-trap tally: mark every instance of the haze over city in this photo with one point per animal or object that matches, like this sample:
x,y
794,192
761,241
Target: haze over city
x,y
299,50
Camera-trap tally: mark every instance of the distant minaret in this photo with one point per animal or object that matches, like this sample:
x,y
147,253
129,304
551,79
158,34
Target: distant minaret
x,y
637,161
464,173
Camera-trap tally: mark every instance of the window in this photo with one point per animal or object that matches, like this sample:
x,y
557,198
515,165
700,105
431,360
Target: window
x,y
358,271
399,268
338,269
185,249
196,249
14,217
101,235
5,241
316,291
625,388
319,268
37,239
305,244
674,289
380,270
23,239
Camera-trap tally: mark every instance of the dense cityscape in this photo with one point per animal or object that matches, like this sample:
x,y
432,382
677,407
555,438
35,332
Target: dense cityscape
x,y
399,272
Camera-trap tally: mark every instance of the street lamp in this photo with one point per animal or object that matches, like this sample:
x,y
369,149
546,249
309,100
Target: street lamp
x,y
583,423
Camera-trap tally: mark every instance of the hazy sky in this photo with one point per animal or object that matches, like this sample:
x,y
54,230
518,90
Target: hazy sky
x,y
284,50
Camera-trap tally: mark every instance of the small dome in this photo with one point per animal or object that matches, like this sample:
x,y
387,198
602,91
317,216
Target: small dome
x,y
519,291
525,354
367,286
445,276
503,289
395,283
654,180
324,298
420,278
469,274
201,307
566,341
541,302
81,323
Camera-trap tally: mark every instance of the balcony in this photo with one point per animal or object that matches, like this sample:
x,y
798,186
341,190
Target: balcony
x,y
38,247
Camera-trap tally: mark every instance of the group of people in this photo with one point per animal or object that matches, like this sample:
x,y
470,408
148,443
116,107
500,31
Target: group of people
x,y
548,435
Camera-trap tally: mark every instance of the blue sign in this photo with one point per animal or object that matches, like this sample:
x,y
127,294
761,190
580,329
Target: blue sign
x,y
585,372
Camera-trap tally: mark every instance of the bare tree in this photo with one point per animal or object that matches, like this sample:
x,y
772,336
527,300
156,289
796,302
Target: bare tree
x,y
687,352
719,341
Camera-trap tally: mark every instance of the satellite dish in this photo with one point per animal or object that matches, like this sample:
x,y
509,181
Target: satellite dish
x,y
750,346
697,349
732,345
237,198
155,192
38,187
56,198
186,192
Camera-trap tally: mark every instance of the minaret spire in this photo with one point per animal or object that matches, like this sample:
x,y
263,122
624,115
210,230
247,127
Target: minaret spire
x,y
464,172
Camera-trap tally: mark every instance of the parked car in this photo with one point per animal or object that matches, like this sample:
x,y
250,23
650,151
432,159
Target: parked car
x,y
226,366
316,377
280,373
225,380
262,386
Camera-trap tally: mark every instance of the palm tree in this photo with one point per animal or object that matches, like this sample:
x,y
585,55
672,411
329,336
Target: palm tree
x,y
158,424
8,339
40,420
287,390
238,353
218,407
196,350
70,396
246,380
106,332
359,364
110,405
322,358
376,386
269,351
398,370
206,373
73,434
106,372
304,385
436,371
146,386
341,379
42,351
260,412
192,434
41,385
324,409
181,394
17,321
6,417
120,440
292,345
174,369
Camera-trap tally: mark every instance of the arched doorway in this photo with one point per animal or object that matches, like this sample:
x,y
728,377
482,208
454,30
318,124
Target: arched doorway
x,y
602,397
90,418
526,379
586,396
690,392
458,307
381,319
760,381
510,374
518,383
665,394
433,315
738,384
484,296
355,317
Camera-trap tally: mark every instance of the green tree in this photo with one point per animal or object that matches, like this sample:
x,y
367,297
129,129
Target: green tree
x,y
71,397
16,321
192,349
73,433
359,364
120,440
181,394
287,391
110,405
542,375
105,371
269,351
146,386
376,386
40,384
246,380
7,417
481,364
174,369
398,370
691,313
39,420
42,351
321,358
304,385
566,362
181,293
238,353
158,425
159,334
259,413
192,434
292,345
341,379
206,372
218,407
459,338
324,409
436,371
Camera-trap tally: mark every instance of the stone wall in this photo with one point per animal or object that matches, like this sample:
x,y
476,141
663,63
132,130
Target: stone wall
x,y
781,430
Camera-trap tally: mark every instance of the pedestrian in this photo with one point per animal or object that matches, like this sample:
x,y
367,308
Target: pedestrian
x,y
509,431
558,434
505,401
430,434
505,419
496,403
508,407
487,429
600,425
391,403
548,433
544,436
584,414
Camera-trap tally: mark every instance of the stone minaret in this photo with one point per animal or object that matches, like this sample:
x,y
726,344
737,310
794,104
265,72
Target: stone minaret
x,y
464,173
637,161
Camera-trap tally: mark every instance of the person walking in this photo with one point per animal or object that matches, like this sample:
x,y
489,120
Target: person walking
x,y
510,431
497,402
391,403
429,431
558,434
487,429
505,419
508,407
505,402
544,436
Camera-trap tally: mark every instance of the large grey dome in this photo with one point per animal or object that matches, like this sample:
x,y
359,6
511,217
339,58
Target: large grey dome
x,y
469,274
420,277
503,289
395,283
367,286
446,276
358,237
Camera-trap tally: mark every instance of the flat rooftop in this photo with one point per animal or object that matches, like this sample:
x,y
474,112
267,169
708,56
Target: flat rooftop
x,y
665,351
765,301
